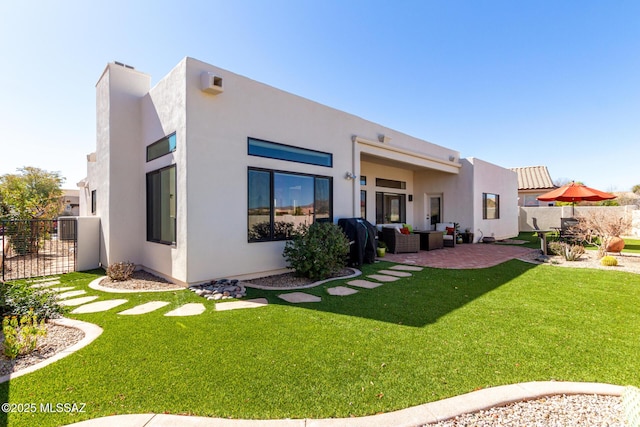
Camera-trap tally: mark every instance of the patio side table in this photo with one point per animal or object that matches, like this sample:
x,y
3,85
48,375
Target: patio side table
x,y
430,239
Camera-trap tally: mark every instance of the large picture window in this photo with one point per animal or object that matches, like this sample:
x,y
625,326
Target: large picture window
x,y
274,150
161,205
490,206
280,201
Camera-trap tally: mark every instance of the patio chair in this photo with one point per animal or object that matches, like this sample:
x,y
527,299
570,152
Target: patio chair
x,y
398,242
566,229
449,233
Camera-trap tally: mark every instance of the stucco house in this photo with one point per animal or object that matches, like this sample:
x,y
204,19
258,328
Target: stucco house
x,y
198,177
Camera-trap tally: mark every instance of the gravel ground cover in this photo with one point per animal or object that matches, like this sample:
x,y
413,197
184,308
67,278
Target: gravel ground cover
x,y
553,411
57,339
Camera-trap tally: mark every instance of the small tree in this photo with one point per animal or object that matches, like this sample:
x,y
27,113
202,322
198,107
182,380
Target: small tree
x,y
31,193
317,251
598,227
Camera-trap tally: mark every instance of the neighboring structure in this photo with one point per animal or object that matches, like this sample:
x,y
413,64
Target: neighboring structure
x,y
71,202
203,175
533,181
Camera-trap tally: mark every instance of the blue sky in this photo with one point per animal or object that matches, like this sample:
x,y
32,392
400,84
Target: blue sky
x,y
516,83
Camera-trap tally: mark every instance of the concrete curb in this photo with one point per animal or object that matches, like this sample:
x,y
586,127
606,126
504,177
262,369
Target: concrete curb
x,y
248,283
91,332
417,415
95,285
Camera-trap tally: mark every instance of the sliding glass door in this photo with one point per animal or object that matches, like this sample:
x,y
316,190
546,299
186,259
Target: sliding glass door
x,y
390,207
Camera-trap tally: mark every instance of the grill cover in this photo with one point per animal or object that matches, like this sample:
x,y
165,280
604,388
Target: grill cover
x,y
362,235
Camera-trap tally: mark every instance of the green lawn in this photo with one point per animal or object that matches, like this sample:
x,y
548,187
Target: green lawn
x,y
437,334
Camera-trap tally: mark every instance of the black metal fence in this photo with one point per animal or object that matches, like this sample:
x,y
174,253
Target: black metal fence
x,y
33,248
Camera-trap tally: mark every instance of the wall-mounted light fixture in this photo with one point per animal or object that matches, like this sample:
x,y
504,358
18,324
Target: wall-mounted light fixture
x,y
452,158
349,175
411,197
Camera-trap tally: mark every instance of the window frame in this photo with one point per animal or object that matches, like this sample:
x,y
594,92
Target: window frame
x,y
288,149
94,201
272,214
168,139
485,207
149,216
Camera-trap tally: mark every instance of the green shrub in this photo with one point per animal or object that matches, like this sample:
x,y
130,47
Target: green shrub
x,y
21,337
317,251
120,271
19,299
568,251
609,261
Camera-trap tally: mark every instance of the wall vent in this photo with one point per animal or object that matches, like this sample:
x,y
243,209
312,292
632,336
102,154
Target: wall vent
x,y
211,83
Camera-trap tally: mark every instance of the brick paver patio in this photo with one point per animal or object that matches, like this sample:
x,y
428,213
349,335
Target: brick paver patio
x,y
479,255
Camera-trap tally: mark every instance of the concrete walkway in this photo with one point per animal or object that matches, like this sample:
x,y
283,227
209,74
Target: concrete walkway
x,y
410,417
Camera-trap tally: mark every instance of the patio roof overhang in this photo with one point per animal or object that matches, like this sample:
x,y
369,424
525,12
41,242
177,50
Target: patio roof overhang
x,y
377,152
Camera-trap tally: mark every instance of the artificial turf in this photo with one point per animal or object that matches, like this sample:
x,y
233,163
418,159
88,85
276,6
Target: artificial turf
x,y
436,334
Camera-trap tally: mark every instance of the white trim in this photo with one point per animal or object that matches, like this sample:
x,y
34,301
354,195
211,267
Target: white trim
x,y
406,156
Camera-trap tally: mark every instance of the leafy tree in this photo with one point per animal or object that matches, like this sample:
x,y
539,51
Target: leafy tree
x,y
636,188
31,193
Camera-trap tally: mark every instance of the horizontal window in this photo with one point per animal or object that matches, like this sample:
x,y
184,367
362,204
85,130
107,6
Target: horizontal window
x,y
390,183
280,201
159,148
273,150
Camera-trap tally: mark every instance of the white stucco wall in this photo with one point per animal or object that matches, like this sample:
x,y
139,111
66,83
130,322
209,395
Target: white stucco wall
x,y
490,178
217,162
212,166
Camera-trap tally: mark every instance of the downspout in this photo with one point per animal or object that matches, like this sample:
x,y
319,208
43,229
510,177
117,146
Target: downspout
x,y
355,167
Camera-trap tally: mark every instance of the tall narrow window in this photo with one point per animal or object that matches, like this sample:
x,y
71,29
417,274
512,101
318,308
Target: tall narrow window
x,y
363,204
93,201
161,205
490,206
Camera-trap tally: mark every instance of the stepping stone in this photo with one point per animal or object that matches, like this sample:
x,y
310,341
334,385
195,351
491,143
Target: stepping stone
x,y
406,268
45,284
364,284
96,307
341,291
234,305
70,294
190,309
77,301
395,273
145,308
67,288
383,278
298,297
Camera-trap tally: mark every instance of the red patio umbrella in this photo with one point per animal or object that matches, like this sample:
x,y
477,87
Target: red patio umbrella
x,y
575,193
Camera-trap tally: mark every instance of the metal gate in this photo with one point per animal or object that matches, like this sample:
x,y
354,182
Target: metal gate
x,y
33,248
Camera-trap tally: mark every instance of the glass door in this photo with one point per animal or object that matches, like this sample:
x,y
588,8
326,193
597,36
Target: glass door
x,y
390,207
435,211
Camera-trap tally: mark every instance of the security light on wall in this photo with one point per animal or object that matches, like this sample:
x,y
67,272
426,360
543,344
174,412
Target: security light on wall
x,y
350,175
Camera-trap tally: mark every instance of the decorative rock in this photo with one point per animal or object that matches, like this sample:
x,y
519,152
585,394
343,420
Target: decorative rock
x,y
220,289
615,245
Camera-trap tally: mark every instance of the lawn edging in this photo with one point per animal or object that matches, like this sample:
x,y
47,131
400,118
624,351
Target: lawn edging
x,y
91,332
422,414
